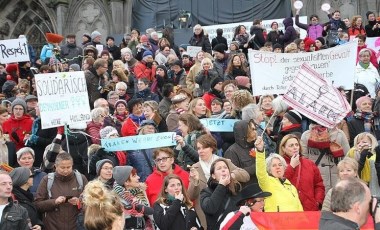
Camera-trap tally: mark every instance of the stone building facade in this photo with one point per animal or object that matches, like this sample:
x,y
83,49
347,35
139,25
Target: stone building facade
x,y
36,17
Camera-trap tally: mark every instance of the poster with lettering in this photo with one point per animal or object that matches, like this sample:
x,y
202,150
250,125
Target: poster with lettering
x,y
313,96
271,73
148,141
62,98
14,50
219,125
193,50
374,44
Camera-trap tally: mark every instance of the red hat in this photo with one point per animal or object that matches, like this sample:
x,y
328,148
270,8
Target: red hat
x,y
308,42
12,67
54,38
143,38
242,80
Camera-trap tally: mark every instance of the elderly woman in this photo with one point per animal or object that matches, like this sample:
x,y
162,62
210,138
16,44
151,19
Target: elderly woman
x,y
135,117
200,171
270,174
205,76
25,158
302,173
22,181
363,119
199,39
265,104
180,105
121,89
279,108
366,73
347,168
94,126
194,70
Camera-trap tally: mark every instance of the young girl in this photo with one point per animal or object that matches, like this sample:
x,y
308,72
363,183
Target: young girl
x,y
173,208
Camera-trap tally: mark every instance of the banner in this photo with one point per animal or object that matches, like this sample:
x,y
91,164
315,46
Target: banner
x,y
311,95
148,141
229,29
219,125
374,44
62,98
293,220
193,50
271,73
14,50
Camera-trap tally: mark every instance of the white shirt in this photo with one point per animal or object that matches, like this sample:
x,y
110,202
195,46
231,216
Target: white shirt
x,y
2,207
247,222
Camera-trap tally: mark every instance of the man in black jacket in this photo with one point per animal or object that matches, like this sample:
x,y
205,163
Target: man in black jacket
x,y
13,215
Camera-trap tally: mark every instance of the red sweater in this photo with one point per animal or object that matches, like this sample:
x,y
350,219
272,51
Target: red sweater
x,y
155,181
310,187
21,126
129,128
142,71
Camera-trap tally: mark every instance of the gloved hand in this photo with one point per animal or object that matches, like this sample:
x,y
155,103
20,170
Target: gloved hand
x,y
60,130
33,138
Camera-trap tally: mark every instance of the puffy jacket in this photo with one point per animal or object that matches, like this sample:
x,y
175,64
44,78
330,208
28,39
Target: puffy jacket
x,y
20,127
100,155
93,129
308,181
142,71
284,195
14,217
147,95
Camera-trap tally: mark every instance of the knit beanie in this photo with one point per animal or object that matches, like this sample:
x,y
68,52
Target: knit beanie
x,y
121,174
87,36
8,86
293,116
100,164
147,53
18,101
121,102
144,38
107,132
11,68
235,43
360,100
220,48
216,81
277,46
105,52
20,176
163,67
95,34
75,67
322,40
125,51
242,80
368,13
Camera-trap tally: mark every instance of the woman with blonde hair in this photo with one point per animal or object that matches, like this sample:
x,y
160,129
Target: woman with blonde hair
x,y
204,77
150,109
173,208
197,107
103,209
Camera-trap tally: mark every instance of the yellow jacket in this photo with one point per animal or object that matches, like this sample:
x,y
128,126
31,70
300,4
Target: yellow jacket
x,y
284,196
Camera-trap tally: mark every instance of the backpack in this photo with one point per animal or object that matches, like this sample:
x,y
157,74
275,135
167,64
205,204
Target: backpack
x,y
50,181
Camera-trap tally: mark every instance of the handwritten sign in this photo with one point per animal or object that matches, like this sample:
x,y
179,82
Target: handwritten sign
x,y
336,64
14,50
62,98
312,95
229,29
219,125
148,141
193,50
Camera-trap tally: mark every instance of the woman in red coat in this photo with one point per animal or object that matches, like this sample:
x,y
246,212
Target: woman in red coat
x,y
302,173
135,117
19,125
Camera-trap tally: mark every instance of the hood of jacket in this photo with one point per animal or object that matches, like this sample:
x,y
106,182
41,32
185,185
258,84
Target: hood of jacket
x,y
240,130
288,22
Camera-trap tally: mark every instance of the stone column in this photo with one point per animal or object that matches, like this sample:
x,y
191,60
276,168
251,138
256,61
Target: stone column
x,y
117,16
61,10
127,16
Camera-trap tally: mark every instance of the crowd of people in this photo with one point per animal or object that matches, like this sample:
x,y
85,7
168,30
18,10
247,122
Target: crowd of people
x,y
274,160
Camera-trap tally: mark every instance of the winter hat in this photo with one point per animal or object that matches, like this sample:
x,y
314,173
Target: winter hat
x,y
121,174
322,40
163,68
87,36
184,46
220,48
217,100
20,176
18,101
125,51
145,123
8,86
100,164
107,132
368,13
178,98
30,98
359,101
121,102
144,38
105,52
95,34
235,43
176,62
11,68
110,37
147,53
277,46
185,54
216,81
75,67
242,80
24,150
293,116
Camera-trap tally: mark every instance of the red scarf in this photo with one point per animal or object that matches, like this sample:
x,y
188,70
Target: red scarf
x,y
122,157
292,126
268,112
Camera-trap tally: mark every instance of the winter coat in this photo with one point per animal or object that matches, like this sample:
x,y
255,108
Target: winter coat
x,y
218,40
368,77
290,130
290,33
356,126
331,221
202,41
46,53
327,166
78,144
12,157
14,217
164,107
284,196
172,120
369,29
72,51
177,78
25,199
204,80
175,216
20,127
63,216
195,188
101,154
308,181
130,127
38,175
259,40
193,73
354,31
94,82
239,152
142,71
137,160
188,155
147,95
155,181
93,129
217,200
115,52
274,37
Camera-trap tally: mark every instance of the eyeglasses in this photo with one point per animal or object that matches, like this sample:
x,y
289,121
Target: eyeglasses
x,y
164,159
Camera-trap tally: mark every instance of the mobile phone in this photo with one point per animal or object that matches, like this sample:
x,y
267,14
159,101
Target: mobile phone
x,y
68,198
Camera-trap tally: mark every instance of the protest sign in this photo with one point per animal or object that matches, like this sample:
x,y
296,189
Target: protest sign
x,y
312,95
148,141
219,125
62,98
374,44
229,29
193,50
14,50
271,73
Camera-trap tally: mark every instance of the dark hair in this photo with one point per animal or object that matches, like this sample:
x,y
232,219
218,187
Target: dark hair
x,y
256,22
233,186
335,11
268,44
361,37
313,16
145,80
167,89
138,31
207,141
219,32
110,37
164,46
191,121
237,30
230,65
163,197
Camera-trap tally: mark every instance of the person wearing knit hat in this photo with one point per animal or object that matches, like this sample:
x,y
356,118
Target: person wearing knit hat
x,y
100,164
216,85
320,43
368,14
105,52
74,67
144,39
8,89
121,174
277,48
293,117
290,124
20,176
108,132
18,101
147,53
234,46
243,82
96,35
86,38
